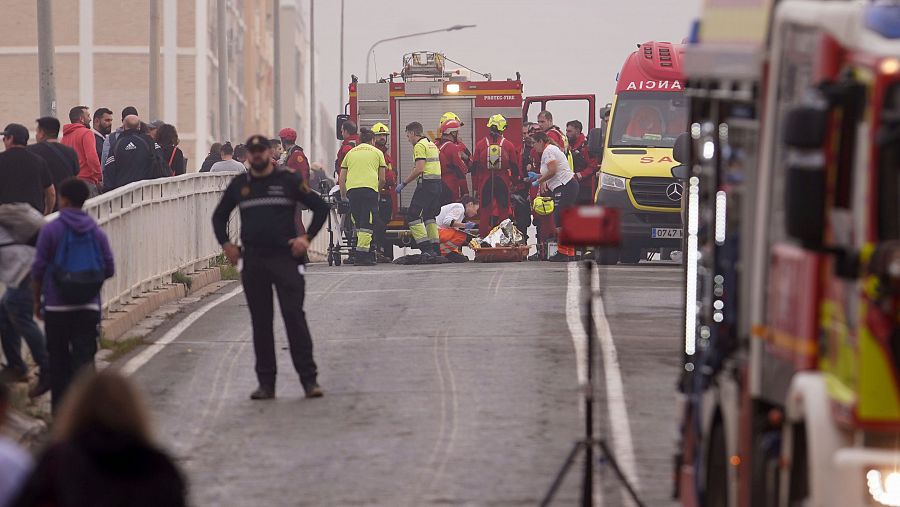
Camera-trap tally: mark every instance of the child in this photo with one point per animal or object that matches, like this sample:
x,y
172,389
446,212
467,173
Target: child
x,y
72,261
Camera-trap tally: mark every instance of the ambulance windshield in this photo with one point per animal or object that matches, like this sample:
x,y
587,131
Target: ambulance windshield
x,y
648,119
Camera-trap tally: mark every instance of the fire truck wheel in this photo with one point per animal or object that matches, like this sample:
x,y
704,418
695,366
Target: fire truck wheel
x,y
630,255
716,490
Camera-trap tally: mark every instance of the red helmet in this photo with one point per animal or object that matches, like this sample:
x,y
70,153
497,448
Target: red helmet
x,y
450,126
288,133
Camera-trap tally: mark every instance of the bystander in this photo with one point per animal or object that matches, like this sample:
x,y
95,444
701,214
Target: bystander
x,y
61,160
133,158
167,139
228,163
111,139
101,128
215,155
77,135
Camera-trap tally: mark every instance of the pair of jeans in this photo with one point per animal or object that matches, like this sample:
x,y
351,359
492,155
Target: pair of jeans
x,y
17,322
72,343
262,271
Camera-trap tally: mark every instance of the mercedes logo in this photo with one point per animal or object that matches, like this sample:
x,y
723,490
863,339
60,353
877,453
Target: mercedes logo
x,y
675,191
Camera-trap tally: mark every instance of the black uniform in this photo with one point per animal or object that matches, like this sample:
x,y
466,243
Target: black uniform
x,y
267,207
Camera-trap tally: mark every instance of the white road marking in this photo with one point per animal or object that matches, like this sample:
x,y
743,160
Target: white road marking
x,y
154,348
615,394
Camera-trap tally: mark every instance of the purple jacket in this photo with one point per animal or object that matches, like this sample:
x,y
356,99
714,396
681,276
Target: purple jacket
x,y
49,239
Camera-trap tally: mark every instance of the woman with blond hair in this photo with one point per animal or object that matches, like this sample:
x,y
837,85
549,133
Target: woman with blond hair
x,y
102,453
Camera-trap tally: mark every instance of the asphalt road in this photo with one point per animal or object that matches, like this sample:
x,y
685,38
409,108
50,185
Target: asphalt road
x,y
449,384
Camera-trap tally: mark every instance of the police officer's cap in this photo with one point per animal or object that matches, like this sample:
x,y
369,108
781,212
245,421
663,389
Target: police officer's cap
x,y
257,142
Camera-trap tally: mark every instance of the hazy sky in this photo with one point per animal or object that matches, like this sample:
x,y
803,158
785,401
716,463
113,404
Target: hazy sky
x,y
559,46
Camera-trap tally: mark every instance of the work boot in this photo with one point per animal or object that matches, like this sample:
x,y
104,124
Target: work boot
x,y
313,391
440,259
536,257
263,393
456,257
351,258
42,386
365,259
380,258
426,257
13,375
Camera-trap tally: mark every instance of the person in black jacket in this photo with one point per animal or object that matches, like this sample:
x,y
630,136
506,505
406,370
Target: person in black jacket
x,y
215,155
102,453
61,160
167,139
273,254
134,157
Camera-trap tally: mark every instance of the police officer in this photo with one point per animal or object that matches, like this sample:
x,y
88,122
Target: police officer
x,y
362,174
425,203
272,255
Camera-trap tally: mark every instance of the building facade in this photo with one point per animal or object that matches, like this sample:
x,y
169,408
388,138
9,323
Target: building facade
x,y
102,60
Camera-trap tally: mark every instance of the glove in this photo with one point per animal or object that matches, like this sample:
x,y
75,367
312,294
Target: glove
x,y
533,176
469,225
535,183
400,187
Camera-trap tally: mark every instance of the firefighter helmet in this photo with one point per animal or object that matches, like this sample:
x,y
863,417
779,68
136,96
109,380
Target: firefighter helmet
x,y
543,205
497,122
450,126
288,133
449,116
380,129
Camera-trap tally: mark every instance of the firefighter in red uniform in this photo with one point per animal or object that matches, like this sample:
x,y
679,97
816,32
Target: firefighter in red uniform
x,y
388,204
294,160
453,168
350,135
496,163
583,165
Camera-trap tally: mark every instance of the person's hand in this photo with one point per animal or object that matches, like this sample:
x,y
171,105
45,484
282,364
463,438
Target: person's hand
x,y
400,187
232,253
535,183
37,311
544,188
469,226
299,245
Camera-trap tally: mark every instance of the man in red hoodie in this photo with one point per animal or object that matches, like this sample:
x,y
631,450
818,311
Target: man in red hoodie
x,y
78,136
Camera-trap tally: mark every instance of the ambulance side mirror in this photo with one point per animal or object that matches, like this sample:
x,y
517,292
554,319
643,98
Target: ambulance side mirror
x,y
681,152
681,172
596,140
338,123
804,132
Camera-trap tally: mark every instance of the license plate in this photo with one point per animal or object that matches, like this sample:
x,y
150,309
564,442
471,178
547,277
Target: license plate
x,y
664,233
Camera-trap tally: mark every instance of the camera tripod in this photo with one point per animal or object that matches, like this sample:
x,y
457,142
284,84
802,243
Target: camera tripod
x,y
589,443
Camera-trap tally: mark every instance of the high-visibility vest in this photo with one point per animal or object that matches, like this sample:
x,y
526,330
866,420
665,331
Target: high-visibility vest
x,y
428,151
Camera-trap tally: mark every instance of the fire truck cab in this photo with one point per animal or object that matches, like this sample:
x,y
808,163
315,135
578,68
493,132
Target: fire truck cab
x,y
791,381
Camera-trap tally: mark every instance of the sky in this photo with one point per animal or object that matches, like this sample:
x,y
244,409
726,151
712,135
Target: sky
x,y
559,46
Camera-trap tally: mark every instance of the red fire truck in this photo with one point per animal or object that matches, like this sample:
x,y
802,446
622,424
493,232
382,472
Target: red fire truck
x,y
791,381
426,89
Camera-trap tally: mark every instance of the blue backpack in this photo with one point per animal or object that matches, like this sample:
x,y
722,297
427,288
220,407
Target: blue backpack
x,y
78,268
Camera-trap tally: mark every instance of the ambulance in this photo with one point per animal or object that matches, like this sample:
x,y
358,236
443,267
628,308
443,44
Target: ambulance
x,y
648,114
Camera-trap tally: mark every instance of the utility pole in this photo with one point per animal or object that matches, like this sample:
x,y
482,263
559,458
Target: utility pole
x,y
312,76
276,65
155,101
46,75
342,84
223,71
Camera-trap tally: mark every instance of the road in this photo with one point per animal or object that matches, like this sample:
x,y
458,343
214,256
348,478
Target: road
x,y
449,384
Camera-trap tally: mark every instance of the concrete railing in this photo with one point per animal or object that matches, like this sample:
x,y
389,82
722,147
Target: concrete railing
x,y
159,227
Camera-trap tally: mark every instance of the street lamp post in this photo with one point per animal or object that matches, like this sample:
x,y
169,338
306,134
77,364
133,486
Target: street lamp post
x,y
407,36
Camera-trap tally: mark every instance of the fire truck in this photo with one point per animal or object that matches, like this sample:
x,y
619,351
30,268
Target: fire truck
x,y
423,91
648,114
790,390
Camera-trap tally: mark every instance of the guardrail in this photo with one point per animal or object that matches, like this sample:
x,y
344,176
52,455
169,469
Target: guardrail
x,y
159,227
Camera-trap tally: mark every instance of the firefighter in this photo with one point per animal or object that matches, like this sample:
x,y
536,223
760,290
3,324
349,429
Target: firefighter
x,y
464,152
496,163
452,221
272,255
294,159
361,177
584,166
350,140
425,204
453,168
388,204
557,178
521,203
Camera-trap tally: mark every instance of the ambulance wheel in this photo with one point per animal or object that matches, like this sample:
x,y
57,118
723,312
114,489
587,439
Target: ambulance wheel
x,y
607,256
630,255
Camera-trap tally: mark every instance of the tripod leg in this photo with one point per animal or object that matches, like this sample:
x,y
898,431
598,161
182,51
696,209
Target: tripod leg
x,y
562,474
621,476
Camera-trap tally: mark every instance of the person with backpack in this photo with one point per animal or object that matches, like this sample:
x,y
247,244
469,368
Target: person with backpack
x,y
72,261
134,157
